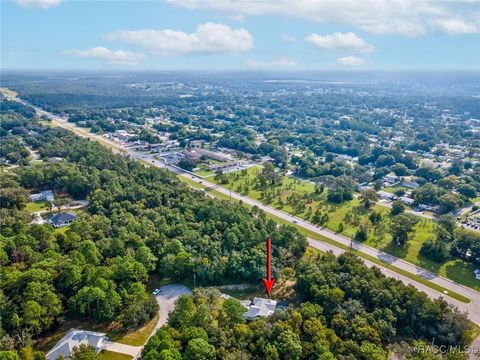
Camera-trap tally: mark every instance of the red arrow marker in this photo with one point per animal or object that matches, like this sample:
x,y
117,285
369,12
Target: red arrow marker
x,y
269,281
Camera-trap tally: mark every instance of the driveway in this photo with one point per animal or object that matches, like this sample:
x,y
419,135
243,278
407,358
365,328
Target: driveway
x,y
166,301
133,351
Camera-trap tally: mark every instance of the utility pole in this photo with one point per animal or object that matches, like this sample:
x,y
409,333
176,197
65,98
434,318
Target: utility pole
x,y
194,280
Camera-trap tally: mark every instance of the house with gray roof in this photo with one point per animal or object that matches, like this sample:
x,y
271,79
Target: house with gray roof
x,y
61,219
260,307
74,338
46,195
385,195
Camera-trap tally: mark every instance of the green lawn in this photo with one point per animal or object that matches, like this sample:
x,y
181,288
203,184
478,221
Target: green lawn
x,y
36,206
110,355
134,338
114,332
461,272
392,189
247,293
352,215
203,171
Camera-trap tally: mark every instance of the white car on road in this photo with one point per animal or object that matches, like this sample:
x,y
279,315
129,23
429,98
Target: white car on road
x,y
156,292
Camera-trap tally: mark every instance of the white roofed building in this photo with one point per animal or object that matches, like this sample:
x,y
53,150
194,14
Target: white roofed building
x,y
46,195
260,307
74,338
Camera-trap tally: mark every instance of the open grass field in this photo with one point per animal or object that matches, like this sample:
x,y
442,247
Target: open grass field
x,y
137,337
36,206
203,171
110,355
351,214
392,189
247,293
316,236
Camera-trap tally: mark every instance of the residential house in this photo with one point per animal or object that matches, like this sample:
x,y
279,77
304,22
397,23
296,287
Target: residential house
x,y
196,143
432,208
363,187
61,219
390,179
46,195
54,159
410,184
260,307
385,195
406,200
74,338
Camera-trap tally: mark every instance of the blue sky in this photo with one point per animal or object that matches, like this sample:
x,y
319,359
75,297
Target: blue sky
x,y
240,35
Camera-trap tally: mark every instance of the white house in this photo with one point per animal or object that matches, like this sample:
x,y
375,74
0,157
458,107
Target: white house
x,y
406,200
362,188
390,179
260,307
76,337
46,195
432,208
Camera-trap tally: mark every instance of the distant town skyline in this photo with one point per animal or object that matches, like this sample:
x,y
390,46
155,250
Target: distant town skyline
x,y
240,35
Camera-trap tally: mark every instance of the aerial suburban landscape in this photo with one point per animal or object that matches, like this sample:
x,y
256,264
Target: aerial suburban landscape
x,y
196,200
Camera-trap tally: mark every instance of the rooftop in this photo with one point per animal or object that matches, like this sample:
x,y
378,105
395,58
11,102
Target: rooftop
x,y
260,307
62,218
76,337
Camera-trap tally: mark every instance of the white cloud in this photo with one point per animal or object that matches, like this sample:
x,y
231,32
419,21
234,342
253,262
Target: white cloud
x,y
350,61
117,57
340,42
405,17
274,63
457,26
288,38
209,38
43,4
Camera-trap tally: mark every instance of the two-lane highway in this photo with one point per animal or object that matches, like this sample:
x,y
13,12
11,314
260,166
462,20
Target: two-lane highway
x,y
472,308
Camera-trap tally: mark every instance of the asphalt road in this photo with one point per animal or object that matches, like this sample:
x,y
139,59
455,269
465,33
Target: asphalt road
x,y
472,308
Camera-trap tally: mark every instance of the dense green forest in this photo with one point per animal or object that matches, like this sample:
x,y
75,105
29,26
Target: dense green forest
x,y
140,221
345,311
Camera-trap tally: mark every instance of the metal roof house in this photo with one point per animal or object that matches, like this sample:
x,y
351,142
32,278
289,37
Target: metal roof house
x,y
260,307
62,219
76,337
385,195
46,195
